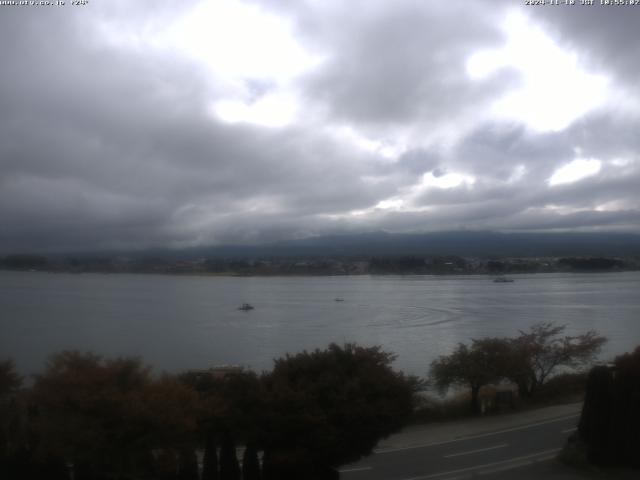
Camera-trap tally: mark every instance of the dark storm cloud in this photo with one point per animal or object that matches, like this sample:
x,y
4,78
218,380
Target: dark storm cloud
x,y
106,141
101,147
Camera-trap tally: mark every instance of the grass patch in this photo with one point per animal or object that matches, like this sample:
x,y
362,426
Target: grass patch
x,y
559,390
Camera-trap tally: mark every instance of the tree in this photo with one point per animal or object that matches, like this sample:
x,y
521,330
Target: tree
x,y
484,362
166,414
250,463
210,459
187,464
10,412
541,351
609,428
330,407
10,381
595,421
229,467
626,413
82,399
231,402
167,465
106,415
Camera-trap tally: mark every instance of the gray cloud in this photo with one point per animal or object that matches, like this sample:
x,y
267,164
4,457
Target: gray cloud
x,y
402,65
604,35
108,144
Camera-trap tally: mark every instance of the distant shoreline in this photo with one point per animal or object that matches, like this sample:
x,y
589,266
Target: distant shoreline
x,y
321,266
315,275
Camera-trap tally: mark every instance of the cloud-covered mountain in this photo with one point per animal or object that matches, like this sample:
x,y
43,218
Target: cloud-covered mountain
x,y
483,244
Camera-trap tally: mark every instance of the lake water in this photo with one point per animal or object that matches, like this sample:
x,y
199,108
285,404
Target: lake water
x,y
180,322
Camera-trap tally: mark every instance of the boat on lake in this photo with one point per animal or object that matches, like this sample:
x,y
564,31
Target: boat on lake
x,y
246,307
502,280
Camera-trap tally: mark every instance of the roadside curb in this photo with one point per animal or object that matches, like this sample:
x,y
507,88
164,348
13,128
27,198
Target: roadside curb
x,y
435,433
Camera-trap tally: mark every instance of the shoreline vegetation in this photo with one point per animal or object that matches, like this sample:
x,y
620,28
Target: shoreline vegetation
x,y
94,418
302,419
267,267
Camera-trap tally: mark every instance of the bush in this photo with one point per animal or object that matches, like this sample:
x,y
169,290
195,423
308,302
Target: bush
x,y
610,421
330,407
563,388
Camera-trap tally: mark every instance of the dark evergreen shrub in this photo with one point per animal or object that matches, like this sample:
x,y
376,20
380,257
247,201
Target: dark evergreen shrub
x,y
229,467
250,463
210,460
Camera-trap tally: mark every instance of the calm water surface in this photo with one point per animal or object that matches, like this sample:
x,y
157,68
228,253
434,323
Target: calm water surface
x,y
176,322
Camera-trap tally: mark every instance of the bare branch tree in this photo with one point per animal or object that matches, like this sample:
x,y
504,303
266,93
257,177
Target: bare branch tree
x,y
542,350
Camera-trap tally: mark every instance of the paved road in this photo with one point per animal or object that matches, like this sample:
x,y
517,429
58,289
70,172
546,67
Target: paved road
x,y
481,454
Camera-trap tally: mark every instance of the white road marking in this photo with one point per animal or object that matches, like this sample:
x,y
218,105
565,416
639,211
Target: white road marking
x,y
356,469
481,435
469,452
567,430
514,460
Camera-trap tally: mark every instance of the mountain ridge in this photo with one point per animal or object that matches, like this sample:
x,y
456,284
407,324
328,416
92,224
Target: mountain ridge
x,y
371,244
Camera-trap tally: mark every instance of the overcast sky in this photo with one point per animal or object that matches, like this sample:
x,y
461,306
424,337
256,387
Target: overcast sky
x,y
177,123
